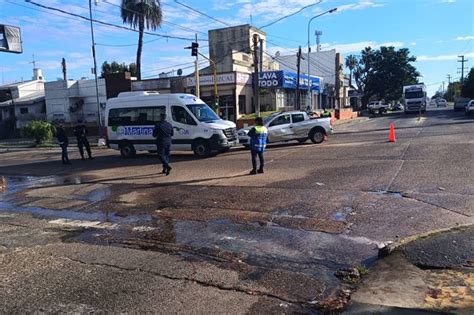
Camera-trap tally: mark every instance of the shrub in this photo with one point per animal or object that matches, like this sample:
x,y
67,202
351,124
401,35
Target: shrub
x,y
41,131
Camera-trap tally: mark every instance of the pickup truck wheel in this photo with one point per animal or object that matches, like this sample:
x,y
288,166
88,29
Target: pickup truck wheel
x,y
316,135
201,149
302,140
127,150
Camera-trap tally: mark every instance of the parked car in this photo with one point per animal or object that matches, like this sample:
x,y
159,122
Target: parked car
x,y
288,126
460,103
440,102
378,106
469,109
433,102
396,106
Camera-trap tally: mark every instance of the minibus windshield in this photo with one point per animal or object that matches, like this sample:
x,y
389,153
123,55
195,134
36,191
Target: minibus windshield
x,y
202,112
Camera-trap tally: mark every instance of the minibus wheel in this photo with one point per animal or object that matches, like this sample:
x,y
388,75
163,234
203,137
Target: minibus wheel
x,y
201,148
127,150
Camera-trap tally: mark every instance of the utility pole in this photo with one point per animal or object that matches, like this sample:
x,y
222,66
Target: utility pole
x,y
298,65
196,72
64,69
449,79
256,81
95,71
462,61
261,55
443,87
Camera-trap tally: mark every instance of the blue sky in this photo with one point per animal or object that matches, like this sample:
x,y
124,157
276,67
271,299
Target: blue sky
x,y
435,31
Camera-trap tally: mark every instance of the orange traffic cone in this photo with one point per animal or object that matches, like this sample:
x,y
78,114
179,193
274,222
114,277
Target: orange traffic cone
x,y
391,135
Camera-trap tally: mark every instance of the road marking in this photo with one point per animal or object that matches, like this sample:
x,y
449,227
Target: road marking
x,y
84,223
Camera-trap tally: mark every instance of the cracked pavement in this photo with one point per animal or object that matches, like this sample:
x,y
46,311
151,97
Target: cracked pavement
x,y
115,235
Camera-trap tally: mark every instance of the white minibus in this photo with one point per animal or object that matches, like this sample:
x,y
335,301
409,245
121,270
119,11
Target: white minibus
x,y
131,116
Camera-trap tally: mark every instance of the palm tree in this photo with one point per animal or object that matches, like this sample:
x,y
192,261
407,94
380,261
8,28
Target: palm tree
x,y
142,14
351,63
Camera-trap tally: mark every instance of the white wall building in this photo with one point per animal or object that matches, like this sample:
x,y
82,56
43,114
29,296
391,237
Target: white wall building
x,y
71,100
23,101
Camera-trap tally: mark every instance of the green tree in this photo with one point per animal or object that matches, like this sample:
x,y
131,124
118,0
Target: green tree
x,y
39,130
381,74
467,89
351,63
453,91
141,14
115,67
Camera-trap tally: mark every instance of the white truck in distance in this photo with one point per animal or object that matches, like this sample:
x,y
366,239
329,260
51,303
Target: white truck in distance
x,y
414,97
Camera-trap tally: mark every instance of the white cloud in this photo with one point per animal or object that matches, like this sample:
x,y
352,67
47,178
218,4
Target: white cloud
x,y
358,46
359,6
442,57
447,1
342,48
413,44
271,9
470,37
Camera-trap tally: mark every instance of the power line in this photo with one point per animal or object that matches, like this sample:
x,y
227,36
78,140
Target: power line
x,y
291,14
35,9
109,24
202,13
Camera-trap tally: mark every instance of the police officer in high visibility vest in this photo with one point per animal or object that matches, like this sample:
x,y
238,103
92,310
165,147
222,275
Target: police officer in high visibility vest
x,y
258,142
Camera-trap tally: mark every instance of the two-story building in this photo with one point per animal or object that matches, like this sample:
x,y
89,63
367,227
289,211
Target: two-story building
x,y
68,101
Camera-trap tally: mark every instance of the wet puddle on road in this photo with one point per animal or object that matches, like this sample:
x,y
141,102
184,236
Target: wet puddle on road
x,y
267,245
341,215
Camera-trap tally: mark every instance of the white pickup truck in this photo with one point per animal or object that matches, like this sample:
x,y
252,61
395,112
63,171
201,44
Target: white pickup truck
x,y
378,106
294,125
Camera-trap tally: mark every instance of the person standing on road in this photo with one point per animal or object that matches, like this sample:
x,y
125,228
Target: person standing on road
x,y
163,133
80,131
63,143
258,142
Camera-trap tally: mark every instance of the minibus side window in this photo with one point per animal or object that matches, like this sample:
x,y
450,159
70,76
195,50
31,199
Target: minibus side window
x,y
135,116
180,115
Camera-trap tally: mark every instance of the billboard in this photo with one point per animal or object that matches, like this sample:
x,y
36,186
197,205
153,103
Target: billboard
x,y
287,80
10,39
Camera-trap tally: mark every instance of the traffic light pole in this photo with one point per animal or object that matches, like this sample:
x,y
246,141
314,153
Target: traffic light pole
x,y
216,93
196,72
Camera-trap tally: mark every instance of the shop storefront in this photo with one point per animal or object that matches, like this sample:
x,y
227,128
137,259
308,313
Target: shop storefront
x,y
234,90
278,89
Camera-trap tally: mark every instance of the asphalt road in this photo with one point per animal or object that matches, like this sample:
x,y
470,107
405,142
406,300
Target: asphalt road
x,y
116,235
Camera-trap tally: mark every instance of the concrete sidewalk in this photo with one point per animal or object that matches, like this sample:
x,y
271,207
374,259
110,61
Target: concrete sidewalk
x,y
432,274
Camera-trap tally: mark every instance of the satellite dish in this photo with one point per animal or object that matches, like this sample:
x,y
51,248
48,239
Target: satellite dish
x,y
277,54
180,71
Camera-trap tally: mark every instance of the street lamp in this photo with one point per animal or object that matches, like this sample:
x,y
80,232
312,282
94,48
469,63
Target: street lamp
x,y
309,53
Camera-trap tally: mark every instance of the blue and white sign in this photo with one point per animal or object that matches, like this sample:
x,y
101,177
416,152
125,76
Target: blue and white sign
x,y
135,131
287,80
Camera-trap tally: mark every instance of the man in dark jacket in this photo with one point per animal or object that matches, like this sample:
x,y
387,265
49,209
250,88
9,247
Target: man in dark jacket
x,y
80,131
63,143
163,133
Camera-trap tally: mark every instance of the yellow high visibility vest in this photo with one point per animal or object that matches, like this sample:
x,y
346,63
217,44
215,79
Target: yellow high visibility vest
x,y
261,129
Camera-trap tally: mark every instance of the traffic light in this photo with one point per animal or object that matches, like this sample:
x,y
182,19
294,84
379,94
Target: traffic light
x,y
194,49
